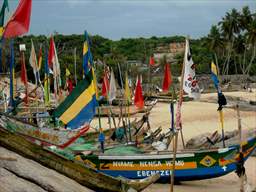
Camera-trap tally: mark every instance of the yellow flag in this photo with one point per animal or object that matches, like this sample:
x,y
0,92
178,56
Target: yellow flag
x,y
127,89
67,72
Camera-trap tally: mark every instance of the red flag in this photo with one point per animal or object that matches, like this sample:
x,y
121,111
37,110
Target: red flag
x,y
51,53
20,20
151,61
105,85
167,78
23,72
138,99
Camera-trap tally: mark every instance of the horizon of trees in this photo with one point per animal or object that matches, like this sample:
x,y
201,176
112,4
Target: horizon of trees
x,y
231,44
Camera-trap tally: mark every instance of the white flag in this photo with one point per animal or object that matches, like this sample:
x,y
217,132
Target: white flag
x,y
33,62
112,88
190,84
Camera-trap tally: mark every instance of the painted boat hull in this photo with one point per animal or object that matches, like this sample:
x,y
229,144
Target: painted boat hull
x,y
195,165
45,136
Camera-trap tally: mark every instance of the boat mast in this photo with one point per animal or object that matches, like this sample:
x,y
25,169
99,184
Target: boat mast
x,y
75,65
242,177
176,133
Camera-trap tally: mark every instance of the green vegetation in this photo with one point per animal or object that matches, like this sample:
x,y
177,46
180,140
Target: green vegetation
x,y
231,44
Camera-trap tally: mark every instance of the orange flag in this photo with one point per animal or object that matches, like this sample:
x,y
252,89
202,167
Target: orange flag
x,y
167,78
138,99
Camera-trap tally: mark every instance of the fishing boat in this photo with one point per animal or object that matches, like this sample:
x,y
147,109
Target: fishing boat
x,y
189,165
85,175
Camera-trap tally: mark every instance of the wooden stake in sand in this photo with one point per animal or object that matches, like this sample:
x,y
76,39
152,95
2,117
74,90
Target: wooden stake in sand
x,y
242,177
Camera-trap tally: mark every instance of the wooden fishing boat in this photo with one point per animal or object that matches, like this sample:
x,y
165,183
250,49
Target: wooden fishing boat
x,y
45,136
189,165
83,174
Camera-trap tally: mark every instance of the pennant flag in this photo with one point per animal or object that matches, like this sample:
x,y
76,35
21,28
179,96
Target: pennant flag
x,y
20,20
138,99
152,61
78,108
112,88
67,72
105,85
190,84
46,81
167,78
87,55
53,63
40,59
23,72
2,15
127,89
33,62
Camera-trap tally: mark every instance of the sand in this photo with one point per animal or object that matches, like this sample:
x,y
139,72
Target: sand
x,y
201,117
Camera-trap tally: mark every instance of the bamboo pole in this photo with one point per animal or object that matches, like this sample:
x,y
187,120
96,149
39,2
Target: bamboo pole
x,y
75,64
175,141
175,145
242,178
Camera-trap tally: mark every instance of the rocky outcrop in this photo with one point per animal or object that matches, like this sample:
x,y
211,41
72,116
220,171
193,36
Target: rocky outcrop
x,y
25,175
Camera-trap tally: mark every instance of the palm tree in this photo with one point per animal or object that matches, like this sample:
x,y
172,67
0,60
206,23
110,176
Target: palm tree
x,y
215,43
230,27
239,47
245,18
251,35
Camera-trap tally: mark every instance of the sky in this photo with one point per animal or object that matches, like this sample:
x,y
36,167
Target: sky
x,y
117,19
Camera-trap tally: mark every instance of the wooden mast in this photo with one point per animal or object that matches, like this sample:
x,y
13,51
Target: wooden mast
x,y
242,178
176,134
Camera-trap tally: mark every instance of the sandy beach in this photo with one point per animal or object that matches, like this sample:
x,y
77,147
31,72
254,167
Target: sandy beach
x,y
200,117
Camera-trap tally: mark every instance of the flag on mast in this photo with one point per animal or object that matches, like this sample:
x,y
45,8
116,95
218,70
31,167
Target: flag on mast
x,y
78,109
138,98
54,64
152,61
105,85
20,20
87,55
167,78
33,63
190,84
112,88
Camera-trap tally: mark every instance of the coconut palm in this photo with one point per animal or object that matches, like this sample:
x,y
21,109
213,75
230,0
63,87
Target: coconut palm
x,y
215,43
230,26
251,35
